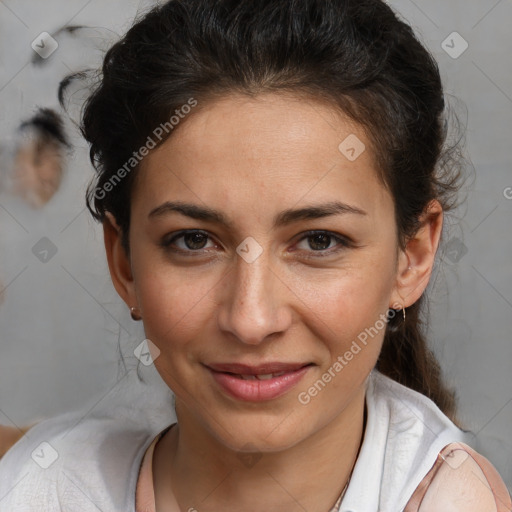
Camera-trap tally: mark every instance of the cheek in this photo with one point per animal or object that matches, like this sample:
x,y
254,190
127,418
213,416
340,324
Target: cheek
x,y
348,299
175,305
349,319
176,312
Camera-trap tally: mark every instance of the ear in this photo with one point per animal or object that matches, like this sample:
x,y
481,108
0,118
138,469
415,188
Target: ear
x,y
416,261
118,261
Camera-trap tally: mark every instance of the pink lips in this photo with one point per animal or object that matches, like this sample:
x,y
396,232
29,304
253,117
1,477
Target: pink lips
x,y
262,382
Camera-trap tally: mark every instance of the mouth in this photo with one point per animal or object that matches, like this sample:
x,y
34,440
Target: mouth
x,y
257,383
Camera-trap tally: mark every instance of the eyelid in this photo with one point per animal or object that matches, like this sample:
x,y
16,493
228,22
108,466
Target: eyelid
x,y
338,236
169,239
344,242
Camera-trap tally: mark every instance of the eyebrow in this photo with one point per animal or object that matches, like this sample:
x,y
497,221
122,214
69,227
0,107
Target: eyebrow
x,y
283,218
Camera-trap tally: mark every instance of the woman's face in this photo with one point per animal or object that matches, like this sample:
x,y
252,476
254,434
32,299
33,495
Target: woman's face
x,y
248,285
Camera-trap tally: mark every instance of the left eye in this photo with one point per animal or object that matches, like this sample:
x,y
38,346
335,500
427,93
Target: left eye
x,y
319,241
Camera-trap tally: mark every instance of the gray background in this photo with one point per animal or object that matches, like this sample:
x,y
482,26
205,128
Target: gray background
x,y
62,322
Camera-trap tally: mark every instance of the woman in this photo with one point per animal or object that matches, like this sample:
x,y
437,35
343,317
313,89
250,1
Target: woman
x,y
272,181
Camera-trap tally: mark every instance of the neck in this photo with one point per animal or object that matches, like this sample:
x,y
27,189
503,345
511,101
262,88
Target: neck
x,y
193,470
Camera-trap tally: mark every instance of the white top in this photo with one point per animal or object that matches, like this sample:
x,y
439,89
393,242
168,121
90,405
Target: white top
x,y
93,457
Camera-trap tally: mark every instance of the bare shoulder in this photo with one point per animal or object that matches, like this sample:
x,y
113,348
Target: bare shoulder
x,y
461,480
9,436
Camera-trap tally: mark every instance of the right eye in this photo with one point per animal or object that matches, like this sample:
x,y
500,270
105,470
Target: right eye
x,y
188,241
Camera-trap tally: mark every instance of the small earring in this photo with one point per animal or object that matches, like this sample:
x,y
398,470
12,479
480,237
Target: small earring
x,y
135,313
403,312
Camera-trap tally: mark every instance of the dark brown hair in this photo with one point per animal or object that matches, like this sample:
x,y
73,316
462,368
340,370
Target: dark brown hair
x,y
355,54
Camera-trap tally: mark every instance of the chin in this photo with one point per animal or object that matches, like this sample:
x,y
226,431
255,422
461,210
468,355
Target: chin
x,y
265,435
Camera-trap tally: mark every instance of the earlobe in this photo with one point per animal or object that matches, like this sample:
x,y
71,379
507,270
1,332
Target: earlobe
x,y
416,261
118,261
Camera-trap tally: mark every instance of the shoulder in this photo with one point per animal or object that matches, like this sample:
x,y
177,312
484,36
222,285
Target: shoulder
x,y
461,480
418,439
410,431
82,463
89,458
28,470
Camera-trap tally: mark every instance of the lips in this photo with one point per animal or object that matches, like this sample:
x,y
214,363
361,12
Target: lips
x,y
257,383
270,368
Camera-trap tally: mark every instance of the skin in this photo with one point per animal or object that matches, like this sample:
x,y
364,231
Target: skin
x,y
10,436
251,158
461,480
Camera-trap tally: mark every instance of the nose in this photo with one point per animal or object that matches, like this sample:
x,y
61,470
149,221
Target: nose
x,y
255,302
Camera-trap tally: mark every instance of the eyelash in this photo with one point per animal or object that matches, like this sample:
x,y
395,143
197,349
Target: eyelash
x,y
343,242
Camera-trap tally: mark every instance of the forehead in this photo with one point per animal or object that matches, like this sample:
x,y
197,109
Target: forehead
x,y
262,151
